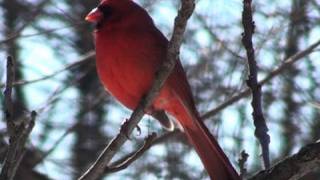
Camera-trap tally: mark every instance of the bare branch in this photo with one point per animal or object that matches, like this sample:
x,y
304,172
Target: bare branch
x,y
97,169
129,160
8,105
242,163
157,140
216,38
261,131
44,155
19,130
21,140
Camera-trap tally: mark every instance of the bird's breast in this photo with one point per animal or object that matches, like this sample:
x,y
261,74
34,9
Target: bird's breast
x,y
126,67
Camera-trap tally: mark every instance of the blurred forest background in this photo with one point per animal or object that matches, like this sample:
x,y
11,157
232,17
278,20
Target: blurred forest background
x,y
53,48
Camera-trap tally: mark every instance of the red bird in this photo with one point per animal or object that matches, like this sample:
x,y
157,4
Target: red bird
x,y
129,51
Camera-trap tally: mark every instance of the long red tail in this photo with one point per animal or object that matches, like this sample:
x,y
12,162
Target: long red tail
x,y
212,156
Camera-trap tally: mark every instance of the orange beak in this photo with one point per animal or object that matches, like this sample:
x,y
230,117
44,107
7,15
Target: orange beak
x,y
94,16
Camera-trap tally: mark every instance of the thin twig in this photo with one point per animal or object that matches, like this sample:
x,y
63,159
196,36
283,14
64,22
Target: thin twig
x,y
97,169
81,60
129,160
242,163
202,20
158,140
45,154
44,32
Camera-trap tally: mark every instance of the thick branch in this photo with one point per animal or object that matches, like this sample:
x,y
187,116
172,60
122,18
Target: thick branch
x,y
307,160
261,131
97,169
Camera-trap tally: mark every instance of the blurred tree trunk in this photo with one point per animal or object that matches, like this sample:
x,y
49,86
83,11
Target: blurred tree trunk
x,y
296,30
90,138
174,159
315,122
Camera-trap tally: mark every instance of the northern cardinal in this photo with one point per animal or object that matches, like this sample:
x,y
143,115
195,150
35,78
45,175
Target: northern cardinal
x,y
129,51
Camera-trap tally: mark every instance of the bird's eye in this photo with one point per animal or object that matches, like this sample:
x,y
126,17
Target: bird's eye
x,y
105,9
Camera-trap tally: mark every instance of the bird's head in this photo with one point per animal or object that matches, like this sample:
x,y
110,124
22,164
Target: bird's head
x,y
115,12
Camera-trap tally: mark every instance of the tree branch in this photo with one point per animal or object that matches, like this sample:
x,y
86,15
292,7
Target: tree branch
x,y
157,140
19,129
8,104
134,156
307,160
242,163
261,131
97,169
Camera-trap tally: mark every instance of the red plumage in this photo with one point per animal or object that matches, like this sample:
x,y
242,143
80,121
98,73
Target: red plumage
x,y
129,51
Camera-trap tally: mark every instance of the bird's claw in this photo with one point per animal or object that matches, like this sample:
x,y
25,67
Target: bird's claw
x,y
139,130
124,129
